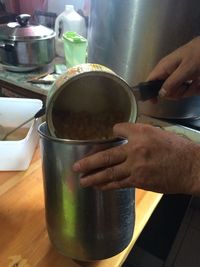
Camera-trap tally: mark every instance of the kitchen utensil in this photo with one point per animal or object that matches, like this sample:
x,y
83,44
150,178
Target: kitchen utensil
x,y
83,223
4,135
95,91
39,76
24,45
136,36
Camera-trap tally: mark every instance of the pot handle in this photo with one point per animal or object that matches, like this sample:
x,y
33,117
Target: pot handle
x,y
7,46
23,19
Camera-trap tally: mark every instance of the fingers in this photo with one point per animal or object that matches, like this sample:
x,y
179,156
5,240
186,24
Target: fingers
x,y
177,68
165,67
193,89
176,80
101,159
179,92
113,174
124,129
185,90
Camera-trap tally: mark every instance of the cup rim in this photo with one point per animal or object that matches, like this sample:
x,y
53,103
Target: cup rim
x,y
73,141
98,73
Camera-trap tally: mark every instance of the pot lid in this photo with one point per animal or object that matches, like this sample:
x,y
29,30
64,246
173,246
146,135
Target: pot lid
x,y
22,30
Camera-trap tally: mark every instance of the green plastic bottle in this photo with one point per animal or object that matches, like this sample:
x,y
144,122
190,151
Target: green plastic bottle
x,y
75,48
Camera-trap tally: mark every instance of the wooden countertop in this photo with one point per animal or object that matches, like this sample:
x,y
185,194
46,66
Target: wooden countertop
x,y
23,237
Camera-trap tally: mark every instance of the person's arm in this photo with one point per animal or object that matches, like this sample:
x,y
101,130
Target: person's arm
x,y
177,68
153,159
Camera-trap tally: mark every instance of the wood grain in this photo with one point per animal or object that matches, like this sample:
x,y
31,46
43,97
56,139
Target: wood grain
x,y
23,237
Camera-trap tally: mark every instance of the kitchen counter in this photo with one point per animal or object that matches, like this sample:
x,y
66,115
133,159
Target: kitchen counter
x,y
19,79
17,82
23,237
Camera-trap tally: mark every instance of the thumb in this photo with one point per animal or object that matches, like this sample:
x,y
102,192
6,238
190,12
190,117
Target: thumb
x,y
174,81
123,129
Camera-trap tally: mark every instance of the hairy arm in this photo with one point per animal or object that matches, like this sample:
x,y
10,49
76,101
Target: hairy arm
x,y
153,159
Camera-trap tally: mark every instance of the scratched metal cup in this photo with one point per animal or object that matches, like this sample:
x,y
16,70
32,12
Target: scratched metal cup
x,y
83,223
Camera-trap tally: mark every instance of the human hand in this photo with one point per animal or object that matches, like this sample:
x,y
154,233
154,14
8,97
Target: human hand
x,y
179,68
153,159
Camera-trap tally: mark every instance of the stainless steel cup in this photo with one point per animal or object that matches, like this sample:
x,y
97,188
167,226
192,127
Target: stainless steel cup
x,y
83,224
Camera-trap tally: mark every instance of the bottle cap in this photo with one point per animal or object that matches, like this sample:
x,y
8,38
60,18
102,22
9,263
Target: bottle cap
x,y
69,8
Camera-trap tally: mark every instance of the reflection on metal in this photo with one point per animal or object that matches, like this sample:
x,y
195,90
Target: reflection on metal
x,y
192,134
131,36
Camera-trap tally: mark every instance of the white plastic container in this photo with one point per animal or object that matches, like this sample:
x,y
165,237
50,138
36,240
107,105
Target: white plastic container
x,y
17,155
69,20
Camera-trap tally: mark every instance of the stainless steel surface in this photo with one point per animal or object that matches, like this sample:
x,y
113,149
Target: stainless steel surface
x,y
84,224
187,108
131,36
175,127
26,46
22,30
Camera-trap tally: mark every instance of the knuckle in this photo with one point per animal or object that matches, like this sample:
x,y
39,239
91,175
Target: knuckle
x,y
163,63
84,164
106,158
110,174
142,128
118,185
122,184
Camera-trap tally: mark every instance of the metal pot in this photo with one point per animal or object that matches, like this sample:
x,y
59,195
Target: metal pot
x,y
24,46
131,36
83,223
98,93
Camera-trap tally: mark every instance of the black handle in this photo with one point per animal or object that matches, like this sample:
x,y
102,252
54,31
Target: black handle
x,y
40,113
23,19
150,89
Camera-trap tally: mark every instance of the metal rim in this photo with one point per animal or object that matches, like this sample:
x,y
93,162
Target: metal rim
x,y
15,33
77,142
134,111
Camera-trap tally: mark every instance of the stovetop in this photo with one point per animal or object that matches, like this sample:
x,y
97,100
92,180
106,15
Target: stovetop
x,y
189,128
190,123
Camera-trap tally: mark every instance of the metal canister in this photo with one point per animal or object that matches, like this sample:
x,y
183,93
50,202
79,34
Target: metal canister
x,y
93,89
83,223
134,35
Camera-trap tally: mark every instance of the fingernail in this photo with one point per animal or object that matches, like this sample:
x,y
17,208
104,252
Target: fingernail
x,y
76,167
162,92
